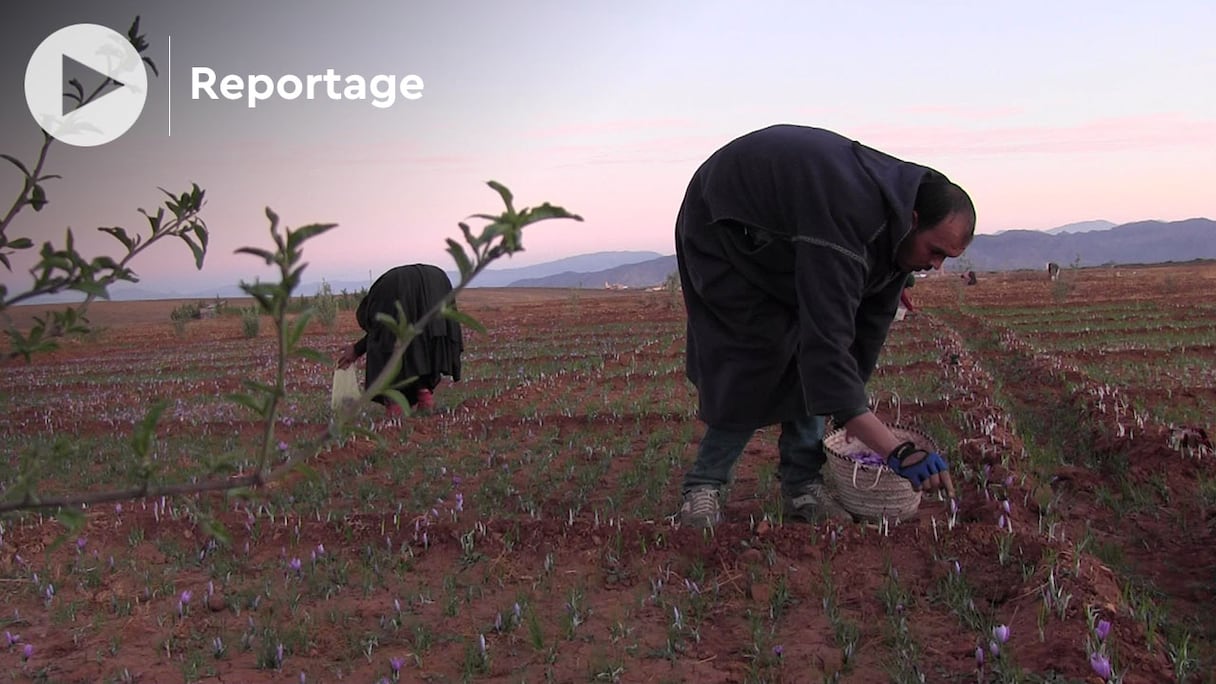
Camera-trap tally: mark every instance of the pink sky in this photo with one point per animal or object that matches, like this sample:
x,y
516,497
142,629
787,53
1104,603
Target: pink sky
x,y
1047,114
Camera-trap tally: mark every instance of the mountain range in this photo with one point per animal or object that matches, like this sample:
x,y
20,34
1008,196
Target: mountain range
x,y
1087,243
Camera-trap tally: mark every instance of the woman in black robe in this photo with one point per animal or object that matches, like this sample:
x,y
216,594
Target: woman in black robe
x,y
434,351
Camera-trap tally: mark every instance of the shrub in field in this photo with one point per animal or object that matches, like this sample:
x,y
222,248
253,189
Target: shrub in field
x,y
326,305
251,322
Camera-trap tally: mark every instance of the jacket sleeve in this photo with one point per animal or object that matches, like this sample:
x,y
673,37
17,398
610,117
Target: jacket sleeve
x,y
874,318
829,281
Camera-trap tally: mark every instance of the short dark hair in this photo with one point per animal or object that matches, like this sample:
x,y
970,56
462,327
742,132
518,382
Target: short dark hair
x,y
937,198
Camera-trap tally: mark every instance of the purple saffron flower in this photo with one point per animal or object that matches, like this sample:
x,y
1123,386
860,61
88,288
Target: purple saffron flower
x,y
27,651
10,639
1001,632
295,564
979,657
278,655
1100,665
186,596
1102,629
282,446
778,650
80,542
994,648
396,664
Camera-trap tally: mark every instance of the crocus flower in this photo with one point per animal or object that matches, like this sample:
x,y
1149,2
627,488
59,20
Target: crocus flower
x,y
10,638
979,656
1102,630
396,664
295,564
1001,632
27,651
778,650
1100,665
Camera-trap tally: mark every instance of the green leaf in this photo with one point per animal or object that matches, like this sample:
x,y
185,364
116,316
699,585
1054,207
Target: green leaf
x,y
216,530
266,256
247,401
461,259
464,319
399,399
145,431
121,235
504,193
297,237
307,471
73,520
548,211
296,331
312,355
199,251
16,162
20,243
37,198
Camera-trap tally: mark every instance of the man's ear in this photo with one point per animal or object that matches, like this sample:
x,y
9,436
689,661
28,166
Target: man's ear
x,y
915,221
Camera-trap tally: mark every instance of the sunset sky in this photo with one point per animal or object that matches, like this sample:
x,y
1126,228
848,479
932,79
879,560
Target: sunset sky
x,y
1047,112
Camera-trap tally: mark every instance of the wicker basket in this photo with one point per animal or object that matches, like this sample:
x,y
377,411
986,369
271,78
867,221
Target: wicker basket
x,y
873,492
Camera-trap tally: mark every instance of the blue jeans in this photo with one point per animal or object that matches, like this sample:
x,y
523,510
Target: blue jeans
x,y
800,446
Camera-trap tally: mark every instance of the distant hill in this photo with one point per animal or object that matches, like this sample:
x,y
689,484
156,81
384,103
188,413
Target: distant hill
x,y
641,274
1143,242
1082,227
584,263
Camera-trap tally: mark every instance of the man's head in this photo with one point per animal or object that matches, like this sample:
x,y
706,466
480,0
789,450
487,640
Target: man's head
x,y
943,223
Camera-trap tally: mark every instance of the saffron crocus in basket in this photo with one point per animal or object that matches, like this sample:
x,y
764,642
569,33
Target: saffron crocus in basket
x,y
868,458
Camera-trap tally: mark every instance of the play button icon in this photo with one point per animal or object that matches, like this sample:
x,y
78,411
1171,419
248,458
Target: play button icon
x,y
98,49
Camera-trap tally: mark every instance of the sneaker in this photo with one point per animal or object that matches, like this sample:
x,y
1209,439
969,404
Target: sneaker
x,y
426,400
813,503
701,508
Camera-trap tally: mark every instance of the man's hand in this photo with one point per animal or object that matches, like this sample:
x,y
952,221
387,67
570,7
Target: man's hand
x,y
347,357
927,471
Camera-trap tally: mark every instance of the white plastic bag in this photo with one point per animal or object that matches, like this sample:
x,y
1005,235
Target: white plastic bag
x,y
346,387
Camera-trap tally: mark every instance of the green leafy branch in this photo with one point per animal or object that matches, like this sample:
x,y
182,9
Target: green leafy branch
x,y
501,236
60,269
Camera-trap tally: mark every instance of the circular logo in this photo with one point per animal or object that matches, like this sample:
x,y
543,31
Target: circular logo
x,y
103,53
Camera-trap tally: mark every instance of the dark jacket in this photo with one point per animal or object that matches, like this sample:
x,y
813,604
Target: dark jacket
x,y
786,243
435,350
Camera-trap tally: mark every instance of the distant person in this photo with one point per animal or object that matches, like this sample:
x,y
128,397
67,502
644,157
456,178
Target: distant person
x,y
793,245
434,351
970,278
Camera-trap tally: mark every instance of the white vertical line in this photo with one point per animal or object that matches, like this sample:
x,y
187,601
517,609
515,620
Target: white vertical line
x,y
170,68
